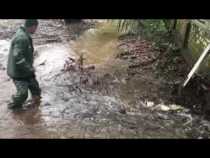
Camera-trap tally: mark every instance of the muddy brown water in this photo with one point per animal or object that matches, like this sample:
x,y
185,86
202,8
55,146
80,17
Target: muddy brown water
x,y
120,106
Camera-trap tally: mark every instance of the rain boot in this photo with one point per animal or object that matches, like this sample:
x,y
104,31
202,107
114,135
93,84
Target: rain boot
x,y
12,105
36,100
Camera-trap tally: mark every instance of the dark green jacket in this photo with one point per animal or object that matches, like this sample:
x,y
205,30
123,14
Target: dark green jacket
x,y
20,61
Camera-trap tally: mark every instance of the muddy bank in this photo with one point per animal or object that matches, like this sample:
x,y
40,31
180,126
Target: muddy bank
x,y
165,66
49,30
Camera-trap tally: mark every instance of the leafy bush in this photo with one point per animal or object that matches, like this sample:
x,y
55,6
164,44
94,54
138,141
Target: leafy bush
x,y
142,27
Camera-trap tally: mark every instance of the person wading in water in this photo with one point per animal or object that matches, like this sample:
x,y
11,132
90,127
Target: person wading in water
x,y
20,65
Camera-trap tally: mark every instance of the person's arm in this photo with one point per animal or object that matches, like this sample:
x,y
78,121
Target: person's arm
x,y
19,49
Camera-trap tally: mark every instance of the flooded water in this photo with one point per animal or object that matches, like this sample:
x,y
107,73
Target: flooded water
x,y
99,44
112,104
99,47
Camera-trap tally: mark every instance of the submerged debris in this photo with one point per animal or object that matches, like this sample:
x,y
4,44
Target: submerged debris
x,y
141,50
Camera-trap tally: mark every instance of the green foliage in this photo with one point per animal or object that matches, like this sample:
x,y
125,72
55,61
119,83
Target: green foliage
x,y
142,27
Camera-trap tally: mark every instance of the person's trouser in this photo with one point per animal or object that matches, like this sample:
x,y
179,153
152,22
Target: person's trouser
x,y
22,87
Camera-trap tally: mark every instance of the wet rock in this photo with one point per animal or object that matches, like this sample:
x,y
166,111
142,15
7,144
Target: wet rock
x,y
116,81
124,57
66,99
134,66
122,54
131,73
43,63
162,116
124,81
149,104
107,76
161,107
132,58
122,111
91,67
46,104
87,115
175,107
206,124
